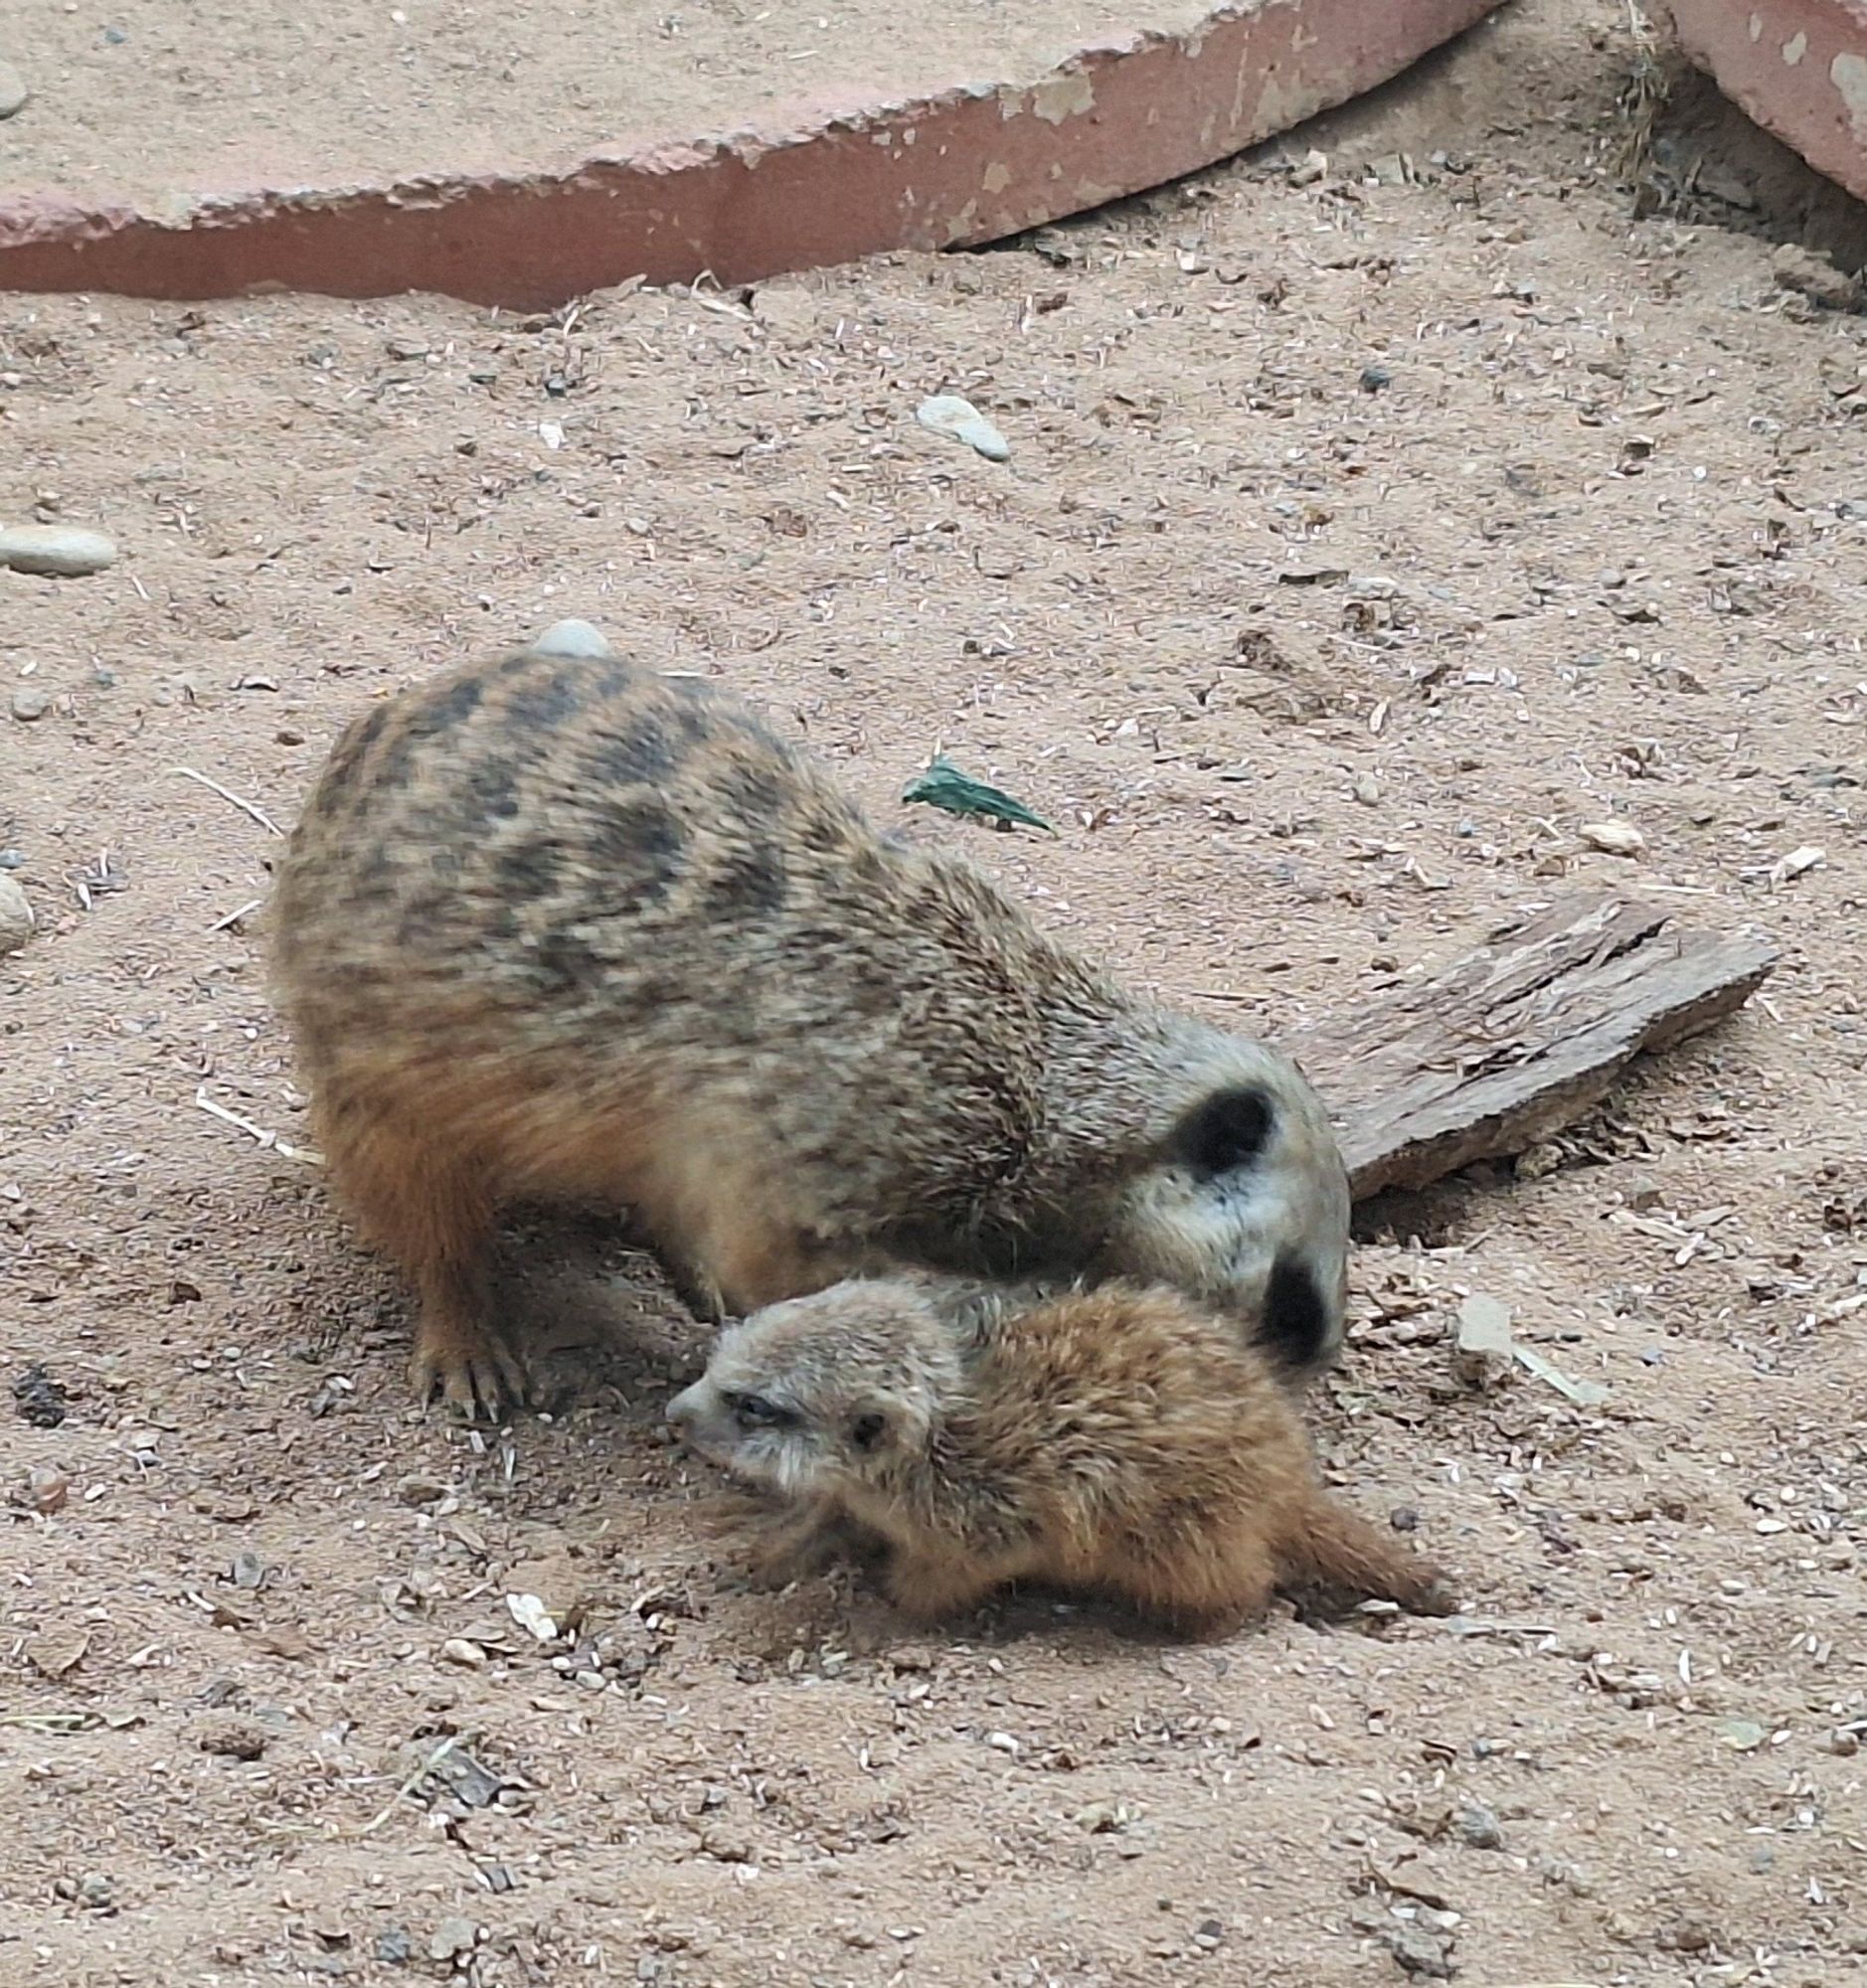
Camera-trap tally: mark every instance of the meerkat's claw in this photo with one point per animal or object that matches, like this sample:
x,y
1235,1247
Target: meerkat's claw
x,y
475,1383
705,1302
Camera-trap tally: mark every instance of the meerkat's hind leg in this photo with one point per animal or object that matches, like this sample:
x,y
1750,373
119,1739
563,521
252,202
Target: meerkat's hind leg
x,y
1208,1590
436,1221
459,1349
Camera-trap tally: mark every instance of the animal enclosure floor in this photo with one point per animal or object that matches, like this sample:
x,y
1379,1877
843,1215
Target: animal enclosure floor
x,y
1365,539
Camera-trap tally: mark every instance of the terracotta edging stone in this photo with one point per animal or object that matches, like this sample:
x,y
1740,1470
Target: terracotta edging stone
x,y
823,183
1797,68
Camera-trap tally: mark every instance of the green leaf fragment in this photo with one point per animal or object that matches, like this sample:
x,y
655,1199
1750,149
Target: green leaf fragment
x,y
943,785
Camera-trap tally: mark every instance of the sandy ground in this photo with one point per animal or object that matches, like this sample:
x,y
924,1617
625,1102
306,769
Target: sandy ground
x,y
150,100
1363,540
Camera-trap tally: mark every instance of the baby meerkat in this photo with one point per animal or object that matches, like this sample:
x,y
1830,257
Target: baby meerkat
x,y
1118,1441
557,927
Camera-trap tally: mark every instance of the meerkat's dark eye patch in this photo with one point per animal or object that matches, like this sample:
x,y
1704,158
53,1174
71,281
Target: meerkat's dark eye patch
x,y
754,1411
866,1429
1226,1131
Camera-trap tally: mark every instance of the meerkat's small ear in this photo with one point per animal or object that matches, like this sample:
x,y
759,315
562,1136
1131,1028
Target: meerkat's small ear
x,y
867,1429
1226,1131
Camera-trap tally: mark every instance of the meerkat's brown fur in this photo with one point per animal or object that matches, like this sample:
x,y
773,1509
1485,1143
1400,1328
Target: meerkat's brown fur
x,y
556,927
1116,1440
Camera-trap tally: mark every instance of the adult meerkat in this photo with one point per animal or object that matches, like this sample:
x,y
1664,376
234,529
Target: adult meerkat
x,y
554,926
1116,1440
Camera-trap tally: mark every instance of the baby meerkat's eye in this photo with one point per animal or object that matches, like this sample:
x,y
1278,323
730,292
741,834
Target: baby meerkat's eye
x,y
866,1430
754,1411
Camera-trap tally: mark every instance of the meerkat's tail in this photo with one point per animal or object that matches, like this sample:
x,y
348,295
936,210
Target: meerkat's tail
x,y
1336,1555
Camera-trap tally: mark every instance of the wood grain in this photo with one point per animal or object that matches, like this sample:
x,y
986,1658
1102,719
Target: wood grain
x,y
1520,1038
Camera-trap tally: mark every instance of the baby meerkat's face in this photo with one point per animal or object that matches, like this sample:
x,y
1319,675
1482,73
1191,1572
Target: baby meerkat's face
x,y
818,1391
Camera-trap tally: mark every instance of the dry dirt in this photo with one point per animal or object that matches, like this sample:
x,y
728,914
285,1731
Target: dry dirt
x,y
229,97
1362,541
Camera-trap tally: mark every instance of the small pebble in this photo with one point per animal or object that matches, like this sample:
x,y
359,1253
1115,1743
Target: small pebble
x,y
457,1650
1420,1952
531,1614
1478,1828
453,1937
947,413
16,917
1685,1937
47,1489
1814,277
573,638
1614,838
232,1738
60,552
30,704
40,1399
12,90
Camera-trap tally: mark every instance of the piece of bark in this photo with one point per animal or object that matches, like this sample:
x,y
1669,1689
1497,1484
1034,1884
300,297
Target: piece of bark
x,y
1519,1039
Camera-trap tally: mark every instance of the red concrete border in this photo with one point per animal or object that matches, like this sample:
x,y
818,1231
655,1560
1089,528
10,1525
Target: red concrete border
x,y
826,184
1797,68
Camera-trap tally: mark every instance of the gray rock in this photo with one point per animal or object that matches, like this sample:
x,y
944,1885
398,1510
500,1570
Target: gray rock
x,y
451,1938
61,551
572,638
16,917
1419,1953
12,90
29,704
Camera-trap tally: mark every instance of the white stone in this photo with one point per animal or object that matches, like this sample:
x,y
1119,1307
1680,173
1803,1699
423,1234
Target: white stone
x,y
1614,838
573,638
61,551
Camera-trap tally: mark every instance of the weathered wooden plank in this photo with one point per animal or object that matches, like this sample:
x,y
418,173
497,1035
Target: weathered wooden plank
x,y
1519,1039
